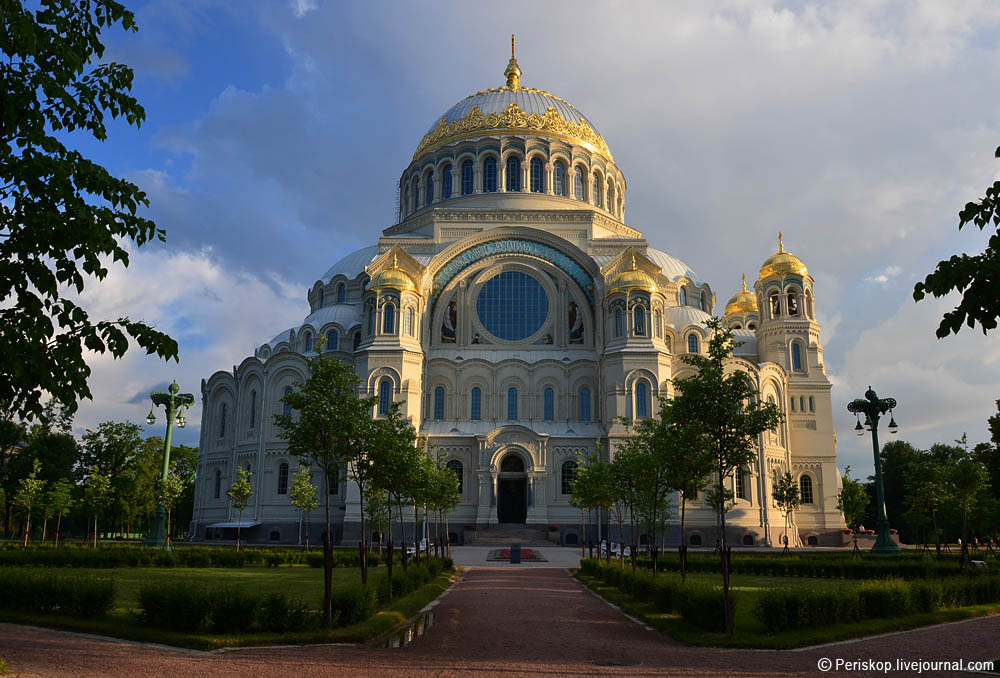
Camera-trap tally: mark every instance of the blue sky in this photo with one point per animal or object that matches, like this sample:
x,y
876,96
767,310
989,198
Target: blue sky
x,y
276,132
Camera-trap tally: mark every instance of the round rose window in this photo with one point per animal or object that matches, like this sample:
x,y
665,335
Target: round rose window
x,y
512,306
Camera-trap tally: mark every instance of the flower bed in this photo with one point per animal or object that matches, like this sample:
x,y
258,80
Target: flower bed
x,y
527,556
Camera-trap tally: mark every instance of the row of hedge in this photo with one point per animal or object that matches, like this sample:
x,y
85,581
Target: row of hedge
x,y
43,592
186,556
785,609
700,605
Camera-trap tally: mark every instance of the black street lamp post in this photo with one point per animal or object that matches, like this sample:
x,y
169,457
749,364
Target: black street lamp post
x,y
873,408
174,403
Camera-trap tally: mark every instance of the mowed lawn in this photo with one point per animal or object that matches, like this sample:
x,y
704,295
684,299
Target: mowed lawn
x,y
298,583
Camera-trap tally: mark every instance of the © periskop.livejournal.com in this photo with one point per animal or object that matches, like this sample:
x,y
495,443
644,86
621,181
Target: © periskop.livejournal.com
x,y
912,666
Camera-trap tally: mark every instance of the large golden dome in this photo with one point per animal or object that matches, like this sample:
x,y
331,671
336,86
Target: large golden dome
x,y
742,302
783,263
632,280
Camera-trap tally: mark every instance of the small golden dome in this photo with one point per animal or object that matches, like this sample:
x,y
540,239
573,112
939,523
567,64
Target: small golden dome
x,y
783,263
633,280
742,302
392,278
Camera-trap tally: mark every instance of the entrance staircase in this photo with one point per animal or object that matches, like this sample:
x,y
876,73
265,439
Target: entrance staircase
x,y
506,534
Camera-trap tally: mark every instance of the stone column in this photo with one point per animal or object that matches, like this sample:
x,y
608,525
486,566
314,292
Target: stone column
x,y
547,188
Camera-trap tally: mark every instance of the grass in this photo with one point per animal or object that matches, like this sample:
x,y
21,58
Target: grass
x,y
303,583
750,632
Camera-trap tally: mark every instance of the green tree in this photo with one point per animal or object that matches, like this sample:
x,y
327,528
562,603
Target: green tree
x,y
63,217
967,478
60,499
168,493
444,499
627,468
852,500
114,450
898,460
976,277
12,443
240,492
303,495
98,495
786,496
928,488
723,402
28,494
379,513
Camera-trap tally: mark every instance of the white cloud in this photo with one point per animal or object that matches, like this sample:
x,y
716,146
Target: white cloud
x,y
887,273
302,7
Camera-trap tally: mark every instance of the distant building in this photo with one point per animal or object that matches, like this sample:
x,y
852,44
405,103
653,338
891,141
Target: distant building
x,y
516,317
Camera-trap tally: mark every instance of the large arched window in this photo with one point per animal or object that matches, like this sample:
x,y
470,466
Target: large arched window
x,y
596,190
287,408
549,404
512,404
619,322
796,356
704,301
218,483
793,304
741,485
812,404
388,319
414,194
224,410
332,340
429,188
439,403
490,175
384,396
806,489
283,478
512,180
455,466
682,297
468,174
536,175
639,321
476,404
308,342
584,404
775,305
357,341
692,343
341,293
408,321
641,400
578,183
559,178
567,476
371,321
611,196
253,408
322,298
446,182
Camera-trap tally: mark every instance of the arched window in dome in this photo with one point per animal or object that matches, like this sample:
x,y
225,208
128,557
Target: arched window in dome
x,y
619,322
774,303
806,489
388,319
308,343
668,340
796,356
656,324
468,174
584,404
429,188
536,175
578,183
512,180
793,304
692,343
384,396
682,297
704,301
559,178
371,321
341,293
512,404
596,190
414,194
476,404
408,321
446,182
611,196
567,476
641,399
332,340
737,326
439,403
490,175
639,321
286,408
357,341
322,298
548,404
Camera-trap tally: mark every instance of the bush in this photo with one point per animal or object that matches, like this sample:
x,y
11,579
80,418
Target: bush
x,y
44,592
174,606
884,598
703,606
354,605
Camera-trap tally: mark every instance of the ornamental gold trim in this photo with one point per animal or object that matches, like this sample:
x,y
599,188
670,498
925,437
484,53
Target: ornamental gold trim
x,y
513,119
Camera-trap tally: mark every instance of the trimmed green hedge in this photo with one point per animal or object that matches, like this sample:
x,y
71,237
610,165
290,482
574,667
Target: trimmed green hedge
x,y
27,591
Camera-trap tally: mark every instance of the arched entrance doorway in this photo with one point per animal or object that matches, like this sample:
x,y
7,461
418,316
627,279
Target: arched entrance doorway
x,y
512,490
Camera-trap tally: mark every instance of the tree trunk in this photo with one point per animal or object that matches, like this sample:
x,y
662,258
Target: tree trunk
x,y
307,529
239,524
937,534
95,530
683,547
965,537
27,527
327,561
168,528
363,544
725,559
58,526
447,537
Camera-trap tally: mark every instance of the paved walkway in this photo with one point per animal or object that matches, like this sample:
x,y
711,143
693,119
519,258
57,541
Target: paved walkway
x,y
514,622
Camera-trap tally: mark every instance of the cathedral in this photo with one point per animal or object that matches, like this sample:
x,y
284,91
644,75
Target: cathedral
x,y
517,317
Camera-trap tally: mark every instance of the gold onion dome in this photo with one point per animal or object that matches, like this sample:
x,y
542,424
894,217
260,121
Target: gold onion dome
x,y
783,263
632,280
742,302
393,278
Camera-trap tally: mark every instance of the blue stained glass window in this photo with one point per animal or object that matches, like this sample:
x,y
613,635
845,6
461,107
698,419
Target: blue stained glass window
x,y
446,182
439,403
429,188
476,404
490,175
341,293
796,357
332,340
388,319
536,175
384,396
513,177
578,184
512,404
641,400
512,305
468,173
559,178
584,404
549,398
619,322
639,321
692,343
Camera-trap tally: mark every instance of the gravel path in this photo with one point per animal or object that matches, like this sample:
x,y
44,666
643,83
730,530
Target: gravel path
x,y
514,622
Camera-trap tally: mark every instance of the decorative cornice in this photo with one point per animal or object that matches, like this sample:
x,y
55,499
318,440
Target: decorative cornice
x,y
501,215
